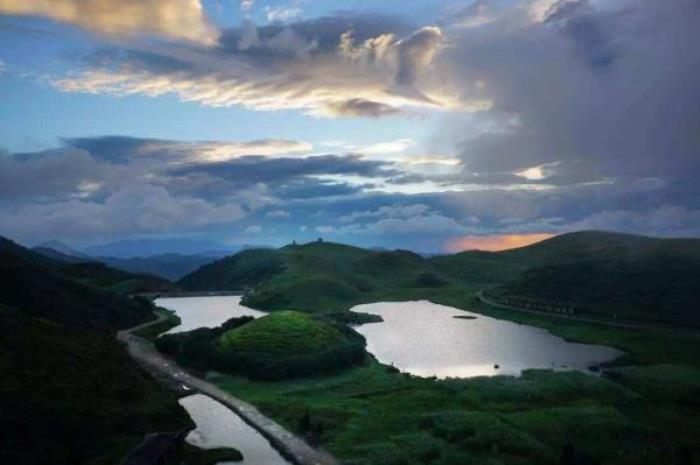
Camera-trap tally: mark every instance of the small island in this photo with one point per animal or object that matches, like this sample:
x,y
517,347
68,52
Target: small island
x,y
280,345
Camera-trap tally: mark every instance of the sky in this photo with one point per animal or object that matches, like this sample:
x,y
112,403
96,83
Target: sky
x,y
436,126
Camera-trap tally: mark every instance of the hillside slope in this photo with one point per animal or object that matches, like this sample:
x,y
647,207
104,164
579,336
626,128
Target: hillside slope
x,y
63,376
613,274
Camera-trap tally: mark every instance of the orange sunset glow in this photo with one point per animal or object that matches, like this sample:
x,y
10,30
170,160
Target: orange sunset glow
x,y
494,242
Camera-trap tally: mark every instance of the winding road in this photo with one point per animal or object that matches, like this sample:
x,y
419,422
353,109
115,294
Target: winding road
x,y
290,446
483,299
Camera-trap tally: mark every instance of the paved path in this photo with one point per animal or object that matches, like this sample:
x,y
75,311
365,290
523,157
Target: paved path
x,y
486,300
290,446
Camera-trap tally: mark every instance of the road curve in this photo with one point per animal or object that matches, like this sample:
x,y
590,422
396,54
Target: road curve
x,y
290,446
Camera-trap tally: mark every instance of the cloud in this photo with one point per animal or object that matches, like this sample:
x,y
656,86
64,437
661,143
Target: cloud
x,y
121,148
402,220
282,14
566,89
311,66
253,229
278,214
3,67
130,210
173,19
388,211
667,220
358,107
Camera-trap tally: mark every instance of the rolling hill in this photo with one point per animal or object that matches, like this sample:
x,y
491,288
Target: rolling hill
x,y
595,271
63,376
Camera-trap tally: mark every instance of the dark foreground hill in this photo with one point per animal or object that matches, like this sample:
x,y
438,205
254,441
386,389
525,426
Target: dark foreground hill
x,y
68,390
614,274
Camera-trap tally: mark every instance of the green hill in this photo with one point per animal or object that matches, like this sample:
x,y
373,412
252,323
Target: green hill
x,y
613,274
281,334
609,273
42,289
63,376
285,344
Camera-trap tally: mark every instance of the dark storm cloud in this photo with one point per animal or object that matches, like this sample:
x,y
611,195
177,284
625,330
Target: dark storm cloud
x,y
614,86
261,169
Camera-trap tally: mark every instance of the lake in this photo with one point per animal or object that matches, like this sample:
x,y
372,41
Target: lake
x,y
219,426
425,339
205,312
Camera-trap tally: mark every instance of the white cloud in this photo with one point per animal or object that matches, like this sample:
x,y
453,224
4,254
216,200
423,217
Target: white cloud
x,y
3,67
131,209
394,76
325,229
204,151
253,229
174,19
278,214
282,14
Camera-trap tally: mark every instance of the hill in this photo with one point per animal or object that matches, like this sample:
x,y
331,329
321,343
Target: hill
x,y
52,290
285,344
282,333
609,273
63,376
315,277
613,274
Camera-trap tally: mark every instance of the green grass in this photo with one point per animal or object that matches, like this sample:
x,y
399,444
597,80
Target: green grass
x,y
636,415
368,414
282,333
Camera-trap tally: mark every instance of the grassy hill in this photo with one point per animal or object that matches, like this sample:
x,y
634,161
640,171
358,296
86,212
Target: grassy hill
x,y
285,344
63,376
613,274
282,333
609,273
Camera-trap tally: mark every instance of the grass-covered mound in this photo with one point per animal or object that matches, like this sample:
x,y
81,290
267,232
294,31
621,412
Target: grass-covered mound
x,y
282,333
281,345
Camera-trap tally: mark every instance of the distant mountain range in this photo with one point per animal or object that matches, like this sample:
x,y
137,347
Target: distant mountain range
x,y
149,247
168,265
596,272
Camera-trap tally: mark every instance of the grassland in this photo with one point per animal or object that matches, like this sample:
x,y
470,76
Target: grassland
x,y
371,414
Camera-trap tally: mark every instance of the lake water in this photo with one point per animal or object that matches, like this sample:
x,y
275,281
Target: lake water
x,y
219,426
425,339
205,312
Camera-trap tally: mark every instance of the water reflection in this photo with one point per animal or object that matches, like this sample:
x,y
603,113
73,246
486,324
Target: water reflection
x,y
219,426
205,312
424,339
